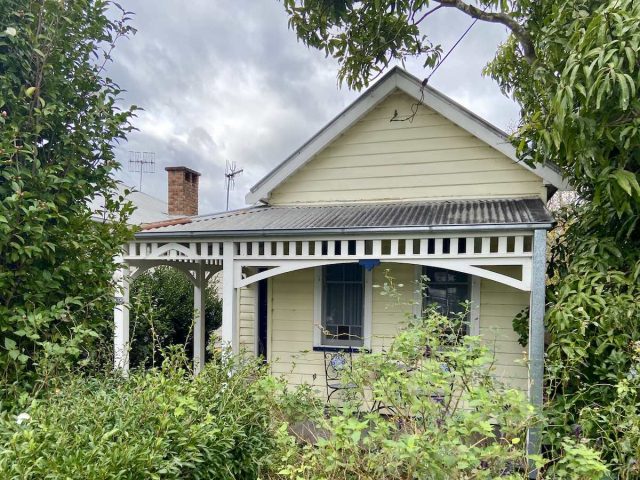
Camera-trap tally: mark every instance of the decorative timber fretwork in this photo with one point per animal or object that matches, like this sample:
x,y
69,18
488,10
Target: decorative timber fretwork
x,y
474,253
140,250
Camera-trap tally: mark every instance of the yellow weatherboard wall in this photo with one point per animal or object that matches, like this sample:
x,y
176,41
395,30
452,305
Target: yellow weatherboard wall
x,y
247,318
499,304
429,158
291,316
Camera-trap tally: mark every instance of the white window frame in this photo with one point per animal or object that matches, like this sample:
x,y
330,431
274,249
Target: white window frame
x,y
367,312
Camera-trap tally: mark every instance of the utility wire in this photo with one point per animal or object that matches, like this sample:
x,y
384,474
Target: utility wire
x,y
452,48
414,107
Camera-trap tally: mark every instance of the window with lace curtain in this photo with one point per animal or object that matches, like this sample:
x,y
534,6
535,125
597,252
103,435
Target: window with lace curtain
x,y
343,305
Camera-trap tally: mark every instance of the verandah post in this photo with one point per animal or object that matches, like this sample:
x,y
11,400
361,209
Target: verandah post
x,y
229,298
536,335
199,331
121,321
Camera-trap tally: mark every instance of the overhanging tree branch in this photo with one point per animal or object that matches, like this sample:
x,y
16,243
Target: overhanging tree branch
x,y
427,14
505,19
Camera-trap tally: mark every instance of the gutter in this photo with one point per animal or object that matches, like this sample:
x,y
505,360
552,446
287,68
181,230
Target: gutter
x,y
342,231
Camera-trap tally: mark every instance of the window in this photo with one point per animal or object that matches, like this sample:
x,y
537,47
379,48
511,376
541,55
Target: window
x,y
343,305
448,290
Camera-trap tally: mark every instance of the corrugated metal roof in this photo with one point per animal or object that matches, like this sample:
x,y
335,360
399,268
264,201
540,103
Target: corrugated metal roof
x,y
289,220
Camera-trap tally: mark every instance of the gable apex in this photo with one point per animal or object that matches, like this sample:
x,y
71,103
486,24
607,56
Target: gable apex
x,y
396,80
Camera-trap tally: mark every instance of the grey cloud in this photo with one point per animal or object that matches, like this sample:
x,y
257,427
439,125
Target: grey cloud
x,y
226,80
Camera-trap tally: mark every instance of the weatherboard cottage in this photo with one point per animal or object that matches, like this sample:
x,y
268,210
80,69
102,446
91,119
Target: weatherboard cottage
x,y
440,193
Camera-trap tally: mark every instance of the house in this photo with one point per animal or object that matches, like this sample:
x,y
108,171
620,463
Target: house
x,y
148,209
439,192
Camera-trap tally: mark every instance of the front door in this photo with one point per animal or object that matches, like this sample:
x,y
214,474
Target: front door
x,y
263,303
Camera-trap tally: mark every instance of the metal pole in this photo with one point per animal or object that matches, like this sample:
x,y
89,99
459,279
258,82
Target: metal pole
x,y
228,182
536,336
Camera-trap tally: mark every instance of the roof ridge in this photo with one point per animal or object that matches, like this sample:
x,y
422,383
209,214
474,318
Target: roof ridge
x,y
165,223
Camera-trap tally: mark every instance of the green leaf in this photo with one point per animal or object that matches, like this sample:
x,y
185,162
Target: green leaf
x,y
624,96
9,344
627,181
47,51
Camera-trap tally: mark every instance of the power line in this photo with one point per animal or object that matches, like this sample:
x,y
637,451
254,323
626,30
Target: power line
x,y
426,80
450,50
415,106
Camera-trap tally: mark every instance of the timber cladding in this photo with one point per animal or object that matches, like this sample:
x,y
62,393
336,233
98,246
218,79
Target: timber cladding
x,y
428,159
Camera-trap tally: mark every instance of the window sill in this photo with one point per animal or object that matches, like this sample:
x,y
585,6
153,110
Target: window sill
x,y
332,348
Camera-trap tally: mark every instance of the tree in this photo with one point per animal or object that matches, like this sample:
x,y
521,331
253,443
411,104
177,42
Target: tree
x,y
162,314
59,120
573,68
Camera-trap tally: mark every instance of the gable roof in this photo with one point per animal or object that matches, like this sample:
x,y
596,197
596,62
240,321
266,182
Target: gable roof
x,y
397,79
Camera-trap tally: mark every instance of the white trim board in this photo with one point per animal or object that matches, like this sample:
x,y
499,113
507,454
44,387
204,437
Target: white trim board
x,y
396,79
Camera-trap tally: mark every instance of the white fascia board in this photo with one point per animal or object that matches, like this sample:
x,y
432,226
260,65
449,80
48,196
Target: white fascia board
x,y
328,134
476,126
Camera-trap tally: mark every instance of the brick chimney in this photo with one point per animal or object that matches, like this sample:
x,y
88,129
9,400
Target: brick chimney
x,y
183,191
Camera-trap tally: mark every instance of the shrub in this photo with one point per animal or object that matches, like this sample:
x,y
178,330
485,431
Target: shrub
x,y
160,423
429,408
593,325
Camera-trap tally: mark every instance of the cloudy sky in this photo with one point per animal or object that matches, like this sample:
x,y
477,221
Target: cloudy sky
x,y
226,80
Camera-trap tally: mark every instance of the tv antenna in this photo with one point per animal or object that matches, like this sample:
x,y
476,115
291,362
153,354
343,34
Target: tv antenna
x,y
230,173
142,162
